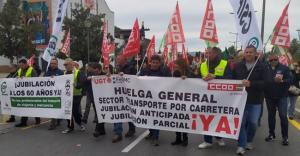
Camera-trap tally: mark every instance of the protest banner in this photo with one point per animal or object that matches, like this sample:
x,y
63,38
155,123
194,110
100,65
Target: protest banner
x,y
192,105
38,97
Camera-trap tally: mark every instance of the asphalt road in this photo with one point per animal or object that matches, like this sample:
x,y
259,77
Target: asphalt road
x,y
38,141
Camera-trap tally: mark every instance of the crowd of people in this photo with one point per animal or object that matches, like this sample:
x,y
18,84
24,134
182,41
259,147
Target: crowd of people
x,y
264,78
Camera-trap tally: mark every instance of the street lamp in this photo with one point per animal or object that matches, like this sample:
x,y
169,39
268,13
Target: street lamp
x,y
263,22
298,30
87,24
236,39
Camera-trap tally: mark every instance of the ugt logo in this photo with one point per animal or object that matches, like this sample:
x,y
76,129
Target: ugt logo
x,y
3,88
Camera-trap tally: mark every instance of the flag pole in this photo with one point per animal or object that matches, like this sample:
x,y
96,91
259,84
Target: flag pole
x,y
137,63
141,65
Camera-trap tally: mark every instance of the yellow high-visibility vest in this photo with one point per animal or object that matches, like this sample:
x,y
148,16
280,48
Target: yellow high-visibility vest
x,y
28,72
219,70
76,92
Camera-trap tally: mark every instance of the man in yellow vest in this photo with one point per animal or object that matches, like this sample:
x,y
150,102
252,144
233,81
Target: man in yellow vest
x,y
214,68
79,79
26,71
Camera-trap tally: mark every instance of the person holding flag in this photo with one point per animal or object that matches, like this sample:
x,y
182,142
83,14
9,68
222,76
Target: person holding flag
x,y
254,82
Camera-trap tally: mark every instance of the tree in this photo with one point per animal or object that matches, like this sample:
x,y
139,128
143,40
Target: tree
x,y
295,46
231,51
15,35
295,49
80,34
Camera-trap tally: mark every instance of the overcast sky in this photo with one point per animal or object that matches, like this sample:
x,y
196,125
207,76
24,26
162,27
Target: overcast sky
x,y
157,13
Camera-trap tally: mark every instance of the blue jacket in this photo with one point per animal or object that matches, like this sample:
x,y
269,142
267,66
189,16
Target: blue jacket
x,y
275,90
55,72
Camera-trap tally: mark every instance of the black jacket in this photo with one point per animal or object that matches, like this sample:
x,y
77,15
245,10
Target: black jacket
x,y
257,80
275,90
128,68
161,72
296,81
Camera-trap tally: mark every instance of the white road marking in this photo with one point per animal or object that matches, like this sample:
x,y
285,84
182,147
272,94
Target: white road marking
x,y
135,142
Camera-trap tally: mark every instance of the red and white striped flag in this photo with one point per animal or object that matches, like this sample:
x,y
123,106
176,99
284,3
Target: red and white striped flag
x,y
281,35
105,47
66,46
175,32
165,54
184,54
151,49
209,29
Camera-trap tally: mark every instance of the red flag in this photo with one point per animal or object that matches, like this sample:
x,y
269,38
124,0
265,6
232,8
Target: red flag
x,y
151,49
30,61
209,29
107,47
281,35
184,54
133,46
175,52
111,47
175,30
66,46
165,54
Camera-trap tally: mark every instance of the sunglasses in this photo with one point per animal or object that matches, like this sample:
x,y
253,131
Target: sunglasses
x,y
273,60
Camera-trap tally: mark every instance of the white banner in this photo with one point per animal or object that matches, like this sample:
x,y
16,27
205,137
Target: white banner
x,y
38,97
51,49
246,24
172,104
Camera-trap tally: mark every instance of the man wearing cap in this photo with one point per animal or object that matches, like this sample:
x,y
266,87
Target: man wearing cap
x,y
279,79
26,71
79,79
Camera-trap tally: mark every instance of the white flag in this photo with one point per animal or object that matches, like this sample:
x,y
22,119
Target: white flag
x,y
246,23
51,49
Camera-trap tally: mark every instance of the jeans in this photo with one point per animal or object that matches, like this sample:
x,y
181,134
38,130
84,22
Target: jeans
x,y
76,112
89,102
209,138
249,124
154,133
281,106
291,106
118,128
